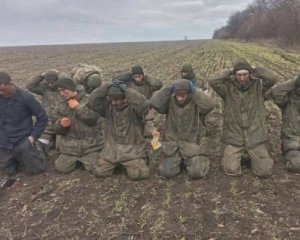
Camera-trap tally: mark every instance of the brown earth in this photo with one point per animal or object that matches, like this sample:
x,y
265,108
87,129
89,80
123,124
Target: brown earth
x,y
81,206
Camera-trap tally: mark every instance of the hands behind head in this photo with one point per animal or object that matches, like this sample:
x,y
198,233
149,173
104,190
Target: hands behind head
x,y
119,83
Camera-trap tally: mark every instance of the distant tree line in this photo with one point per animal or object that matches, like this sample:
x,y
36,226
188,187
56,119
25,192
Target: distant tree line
x,y
264,19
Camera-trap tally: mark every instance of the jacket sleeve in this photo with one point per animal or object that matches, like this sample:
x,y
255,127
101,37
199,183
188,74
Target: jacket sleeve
x,y
161,99
218,80
98,99
204,102
267,77
137,100
279,93
39,113
155,83
86,115
35,85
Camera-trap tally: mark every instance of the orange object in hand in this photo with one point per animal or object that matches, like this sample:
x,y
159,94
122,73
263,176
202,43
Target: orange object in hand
x,y
65,122
73,103
155,143
155,132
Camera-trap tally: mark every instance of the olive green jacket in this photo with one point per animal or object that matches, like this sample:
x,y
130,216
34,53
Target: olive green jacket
x,y
289,102
244,110
84,136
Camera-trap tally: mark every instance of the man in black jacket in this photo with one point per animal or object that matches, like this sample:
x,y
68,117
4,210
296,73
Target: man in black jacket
x,y
18,133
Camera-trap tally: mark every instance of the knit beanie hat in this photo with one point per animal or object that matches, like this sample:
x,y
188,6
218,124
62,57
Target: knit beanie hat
x,y
242,65
137,70
182,86
66,83
115,92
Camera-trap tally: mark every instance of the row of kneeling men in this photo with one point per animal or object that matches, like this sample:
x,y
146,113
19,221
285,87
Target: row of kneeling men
x,y
108,127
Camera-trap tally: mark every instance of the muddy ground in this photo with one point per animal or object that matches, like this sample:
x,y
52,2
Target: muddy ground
x,y
81,206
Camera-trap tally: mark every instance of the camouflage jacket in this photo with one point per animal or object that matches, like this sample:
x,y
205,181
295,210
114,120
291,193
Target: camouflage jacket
x,y
289,102
184,128
51,97
244,110
124,127
85,134
147,87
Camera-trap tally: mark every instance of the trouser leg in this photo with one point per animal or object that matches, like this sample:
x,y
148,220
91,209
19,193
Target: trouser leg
x,y
197,166
137,169
33,159
65,163
170,165
293,160
8,163
89,160
261,162
231,160
104,168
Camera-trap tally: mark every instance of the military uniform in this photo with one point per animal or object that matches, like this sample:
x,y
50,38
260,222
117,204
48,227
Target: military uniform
x,y
187,72
50,100
124,143
185,138
244,121
147,87
82,141
289,102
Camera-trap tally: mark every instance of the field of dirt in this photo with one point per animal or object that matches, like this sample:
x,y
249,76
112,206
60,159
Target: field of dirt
x,y
81,206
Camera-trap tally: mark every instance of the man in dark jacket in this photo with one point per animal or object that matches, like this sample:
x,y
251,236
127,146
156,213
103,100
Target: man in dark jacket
x,y
242,90
287,97
18,134
124,145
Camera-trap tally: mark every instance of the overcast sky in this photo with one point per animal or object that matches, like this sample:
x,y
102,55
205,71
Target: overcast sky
x,y
31,22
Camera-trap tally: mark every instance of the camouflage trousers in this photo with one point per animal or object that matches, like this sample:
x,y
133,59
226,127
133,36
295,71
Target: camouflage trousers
x,y
67,163
22,154
293,160
48,137
136,169
261,162
197,166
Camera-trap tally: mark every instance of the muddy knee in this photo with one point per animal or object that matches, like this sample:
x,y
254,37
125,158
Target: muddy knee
x,y
136,173
293,161
199,167
264,172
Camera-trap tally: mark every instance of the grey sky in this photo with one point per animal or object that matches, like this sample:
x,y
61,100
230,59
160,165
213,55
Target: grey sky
x,y
30,22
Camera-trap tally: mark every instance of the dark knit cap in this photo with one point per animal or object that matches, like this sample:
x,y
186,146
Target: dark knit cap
x,y
182,86
187,67
242,65
297,82
4,78
66,83
51,75
115,92
137,70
